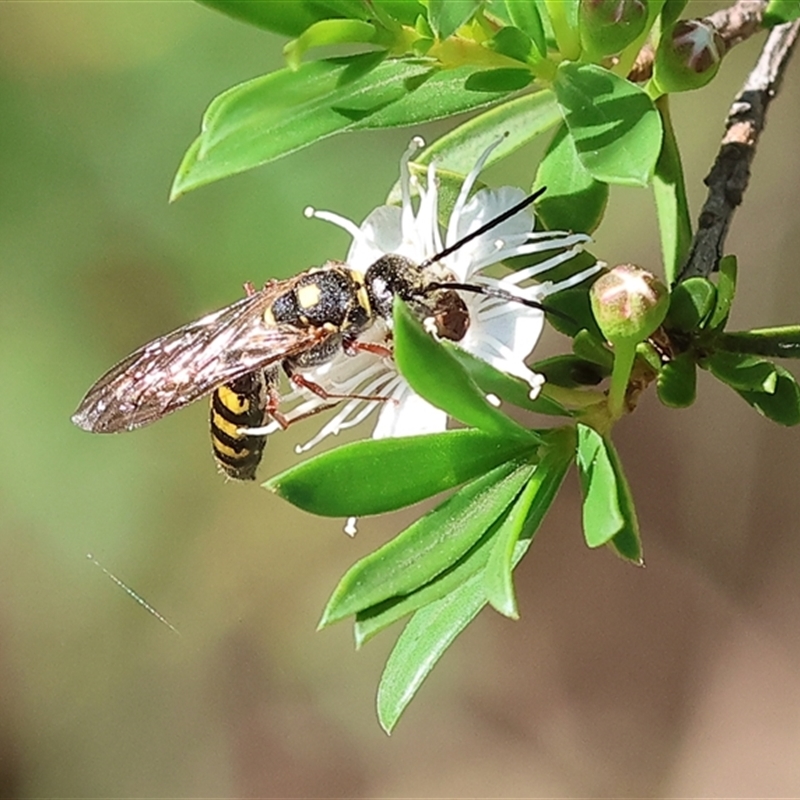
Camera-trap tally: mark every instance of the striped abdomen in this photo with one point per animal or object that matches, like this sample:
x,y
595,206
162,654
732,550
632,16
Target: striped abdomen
x,y
242,403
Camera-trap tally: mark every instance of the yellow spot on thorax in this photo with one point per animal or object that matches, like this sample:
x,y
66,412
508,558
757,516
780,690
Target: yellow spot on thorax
x,y
309,295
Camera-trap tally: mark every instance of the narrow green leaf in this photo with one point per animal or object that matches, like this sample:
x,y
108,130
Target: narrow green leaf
x,y
671,11
429,546
524,519
574,200
564,20
743,372
525,15
570,371
512,42
549,475
672,207
447,16
778,12
373,477
435,95
690,304
287,17
677,382
433,628
328,32
421,644
502,79
405,12
780,342
515,123
274,115
435,374
371,621
782,404
602,516
615,126
574,303
592,349
504,386
628,541
726,290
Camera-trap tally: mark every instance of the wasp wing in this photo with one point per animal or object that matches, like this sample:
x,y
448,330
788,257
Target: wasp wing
x,y
182,366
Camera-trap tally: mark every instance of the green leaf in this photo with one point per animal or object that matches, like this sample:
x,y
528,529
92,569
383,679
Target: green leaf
x,y
779,11
726,290
405,12
429,546
277,114
373,477
779,342
502,79
525,15
435,95
274,115
575,304
512,42
782,405
615,126
371,621
421,644
515,123
690,304
447,16
328,32
592,349
677,382
287,17
548,476
435,374
608,511
671,11
672,207
602,517
574,200
504,386
524,519
743,372
433,628
564,19
570,371
628,541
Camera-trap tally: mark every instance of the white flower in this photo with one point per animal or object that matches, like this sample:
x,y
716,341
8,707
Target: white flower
x,y
501,332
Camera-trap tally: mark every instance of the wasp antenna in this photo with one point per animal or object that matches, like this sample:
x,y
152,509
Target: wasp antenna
x,y
502,294
492,223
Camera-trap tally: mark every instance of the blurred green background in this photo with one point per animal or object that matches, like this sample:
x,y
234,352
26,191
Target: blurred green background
x,y
681,679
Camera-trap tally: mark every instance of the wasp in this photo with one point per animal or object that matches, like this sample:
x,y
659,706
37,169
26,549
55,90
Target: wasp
x,y
237,353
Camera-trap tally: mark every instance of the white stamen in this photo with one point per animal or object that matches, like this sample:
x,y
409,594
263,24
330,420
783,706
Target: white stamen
x,y
493,400
337,219
466,187
350,526
517,277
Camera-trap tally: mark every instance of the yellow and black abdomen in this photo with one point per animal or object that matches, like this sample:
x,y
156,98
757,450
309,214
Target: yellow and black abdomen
x,y
242,403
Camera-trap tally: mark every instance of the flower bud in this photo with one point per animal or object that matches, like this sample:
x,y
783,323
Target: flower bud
x,y
688,56
628,303
609,26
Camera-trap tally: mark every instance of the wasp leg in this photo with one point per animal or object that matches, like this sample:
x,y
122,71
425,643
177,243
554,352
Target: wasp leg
x,y
304,383
355,347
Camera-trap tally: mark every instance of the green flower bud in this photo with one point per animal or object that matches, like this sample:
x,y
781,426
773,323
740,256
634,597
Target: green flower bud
x,y
688,56
628,303
609,26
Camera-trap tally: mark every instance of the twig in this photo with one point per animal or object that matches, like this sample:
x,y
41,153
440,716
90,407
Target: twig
x,y
730,174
